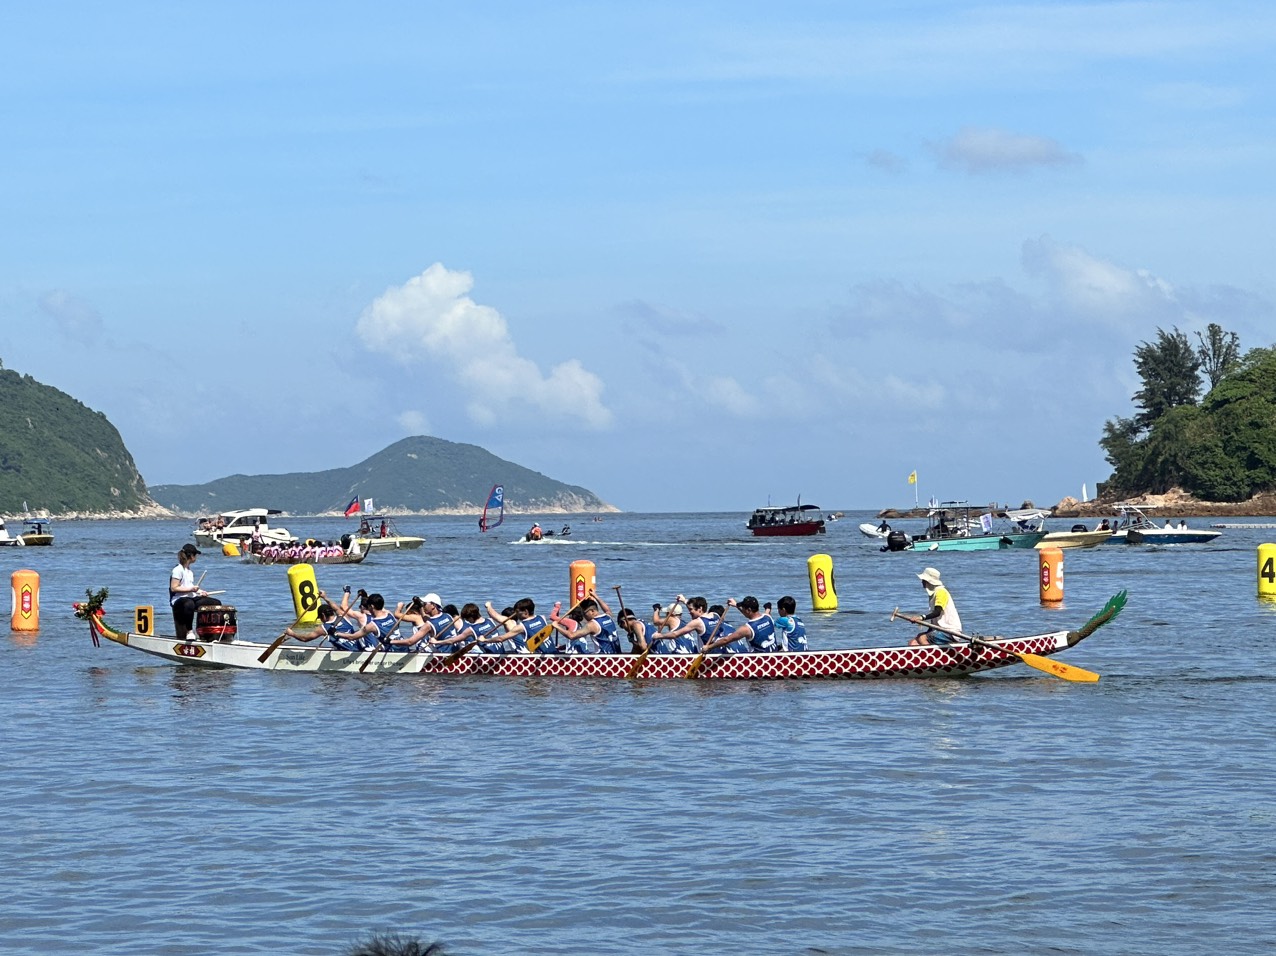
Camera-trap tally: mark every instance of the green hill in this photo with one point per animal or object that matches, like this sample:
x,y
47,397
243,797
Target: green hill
x,y
60,456
419,474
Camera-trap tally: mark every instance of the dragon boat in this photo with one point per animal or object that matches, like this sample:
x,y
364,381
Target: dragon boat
x,y
970,656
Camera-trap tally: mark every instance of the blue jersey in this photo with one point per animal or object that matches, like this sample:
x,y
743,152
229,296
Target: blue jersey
x,y
608,637
531,627
793,633
481,629
762,639
659,643
444,625
339,636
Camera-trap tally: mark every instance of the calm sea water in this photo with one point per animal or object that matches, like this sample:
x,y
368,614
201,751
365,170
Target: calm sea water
x,y
157,809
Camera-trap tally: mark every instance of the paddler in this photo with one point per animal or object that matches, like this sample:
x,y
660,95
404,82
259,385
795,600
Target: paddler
x,y
943,611
756,635
525,624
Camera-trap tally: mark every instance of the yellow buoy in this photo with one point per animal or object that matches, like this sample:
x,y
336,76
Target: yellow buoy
x,y
1050,575
823,594
230,549
1267,571
26,601
305,592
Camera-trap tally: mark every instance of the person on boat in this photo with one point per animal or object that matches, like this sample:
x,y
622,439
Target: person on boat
x,y
535,533
789,626
433,623
667,618
943,611
472,628
335,624
597,623
1103,526
572,627
692,635
377,624
385,530
643,635
755,636
524,625
184,594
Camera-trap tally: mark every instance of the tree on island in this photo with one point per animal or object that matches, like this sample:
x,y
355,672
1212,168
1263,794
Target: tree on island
x,y
1218,448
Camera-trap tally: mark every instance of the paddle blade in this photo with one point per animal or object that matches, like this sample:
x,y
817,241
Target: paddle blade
x,y
637,665
536,640
694,669
1059,668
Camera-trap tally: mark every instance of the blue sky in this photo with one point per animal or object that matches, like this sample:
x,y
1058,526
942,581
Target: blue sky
x,y
692,256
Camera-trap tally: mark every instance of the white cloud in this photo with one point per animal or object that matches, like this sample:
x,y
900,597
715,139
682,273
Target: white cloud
x,y
984,150
432,319
75,318
414,423
1098,289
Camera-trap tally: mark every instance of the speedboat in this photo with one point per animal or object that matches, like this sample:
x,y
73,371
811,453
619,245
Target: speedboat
x,y
1079,536
378,533
1135,527
241,527
37,532
6,540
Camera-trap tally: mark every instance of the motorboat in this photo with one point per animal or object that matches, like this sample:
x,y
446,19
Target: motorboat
x,y
378,533
36,532
241,527
789,521
1133,526
1078,536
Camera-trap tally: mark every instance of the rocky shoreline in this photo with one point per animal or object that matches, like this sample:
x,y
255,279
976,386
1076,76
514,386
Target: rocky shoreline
x,y
1175,502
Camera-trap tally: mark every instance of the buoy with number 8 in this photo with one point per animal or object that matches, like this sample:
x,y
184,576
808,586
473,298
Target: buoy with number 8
x,y
305,593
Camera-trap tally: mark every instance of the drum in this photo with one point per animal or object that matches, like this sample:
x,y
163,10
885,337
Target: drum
x,y
215,622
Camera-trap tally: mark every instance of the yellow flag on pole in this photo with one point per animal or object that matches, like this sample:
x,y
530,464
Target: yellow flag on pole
x,y
912,477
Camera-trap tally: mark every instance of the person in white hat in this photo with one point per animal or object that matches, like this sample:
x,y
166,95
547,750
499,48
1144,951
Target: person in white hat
x,y
943,610
433,623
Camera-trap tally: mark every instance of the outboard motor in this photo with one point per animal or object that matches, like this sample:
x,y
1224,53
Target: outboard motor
x,y
897,541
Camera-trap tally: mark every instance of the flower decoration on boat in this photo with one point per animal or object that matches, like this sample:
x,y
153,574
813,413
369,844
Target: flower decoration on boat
x,y
93,606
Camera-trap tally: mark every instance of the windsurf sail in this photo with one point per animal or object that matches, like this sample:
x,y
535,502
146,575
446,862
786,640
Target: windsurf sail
x,y
494,510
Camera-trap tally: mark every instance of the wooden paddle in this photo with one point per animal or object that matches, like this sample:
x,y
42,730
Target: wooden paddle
x,y
537,639
261,659
383,646
695,665
1045,664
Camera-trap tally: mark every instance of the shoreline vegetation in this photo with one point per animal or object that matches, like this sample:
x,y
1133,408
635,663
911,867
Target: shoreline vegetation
x,y
1175,502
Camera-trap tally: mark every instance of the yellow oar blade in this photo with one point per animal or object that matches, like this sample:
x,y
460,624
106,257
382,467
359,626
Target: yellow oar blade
x,y
1058,668
695,666
636,666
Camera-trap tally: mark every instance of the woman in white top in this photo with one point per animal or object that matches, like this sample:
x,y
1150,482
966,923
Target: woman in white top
x,y
183,593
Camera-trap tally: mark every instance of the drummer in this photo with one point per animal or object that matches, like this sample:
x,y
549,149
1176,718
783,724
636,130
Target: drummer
x,y
184,594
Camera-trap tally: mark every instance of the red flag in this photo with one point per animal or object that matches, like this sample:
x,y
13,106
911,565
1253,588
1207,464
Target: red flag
x,y
353,507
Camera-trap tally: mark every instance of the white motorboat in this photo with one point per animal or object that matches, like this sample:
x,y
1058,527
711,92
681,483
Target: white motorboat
x,y
240,527
1135,527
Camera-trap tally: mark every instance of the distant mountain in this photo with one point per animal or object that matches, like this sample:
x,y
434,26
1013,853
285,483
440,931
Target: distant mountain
x,y
419,474
60,456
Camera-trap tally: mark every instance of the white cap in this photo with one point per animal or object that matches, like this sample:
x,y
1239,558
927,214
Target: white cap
x,y
432,598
